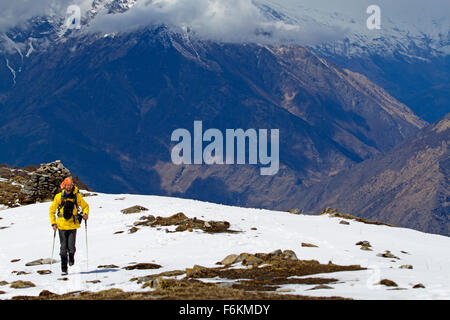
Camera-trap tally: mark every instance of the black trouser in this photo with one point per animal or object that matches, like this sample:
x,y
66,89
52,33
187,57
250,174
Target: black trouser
x,y
67,239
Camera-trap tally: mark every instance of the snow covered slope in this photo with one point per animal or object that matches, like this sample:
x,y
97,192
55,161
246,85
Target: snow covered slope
x,y
28,237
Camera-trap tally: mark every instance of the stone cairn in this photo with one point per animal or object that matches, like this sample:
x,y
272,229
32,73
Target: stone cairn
x,y
44,183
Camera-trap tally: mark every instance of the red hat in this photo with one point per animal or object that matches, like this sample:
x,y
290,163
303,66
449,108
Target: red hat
x,y
66,181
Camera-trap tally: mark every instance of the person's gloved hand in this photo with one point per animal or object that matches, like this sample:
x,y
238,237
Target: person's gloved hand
x,y
55,227
85,216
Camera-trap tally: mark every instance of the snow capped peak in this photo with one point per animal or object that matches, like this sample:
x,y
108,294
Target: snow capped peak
x,y
330,28
112,6
405,26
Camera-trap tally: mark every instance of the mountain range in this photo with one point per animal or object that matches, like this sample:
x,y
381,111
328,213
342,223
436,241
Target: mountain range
x,y
408,186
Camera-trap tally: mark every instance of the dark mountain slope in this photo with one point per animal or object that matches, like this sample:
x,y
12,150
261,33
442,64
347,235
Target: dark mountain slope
x,y
106,106
409,186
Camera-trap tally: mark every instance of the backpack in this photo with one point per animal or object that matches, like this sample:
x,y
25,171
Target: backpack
x,y
68,203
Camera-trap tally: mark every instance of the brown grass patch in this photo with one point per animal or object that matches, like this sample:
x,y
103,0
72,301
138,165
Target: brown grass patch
x,y
252,283
183,223
171,289
275,268
9,194
335,213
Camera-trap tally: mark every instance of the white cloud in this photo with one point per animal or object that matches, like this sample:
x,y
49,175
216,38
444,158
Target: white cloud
x,y
240,20
223,20
16,12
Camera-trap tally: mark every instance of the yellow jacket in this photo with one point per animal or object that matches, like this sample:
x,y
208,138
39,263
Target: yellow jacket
x,y
62,223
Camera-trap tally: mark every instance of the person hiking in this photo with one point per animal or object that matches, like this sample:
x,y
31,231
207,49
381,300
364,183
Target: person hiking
x,y
68,220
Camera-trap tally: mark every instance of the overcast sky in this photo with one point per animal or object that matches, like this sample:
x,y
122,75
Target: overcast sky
x,y
228,20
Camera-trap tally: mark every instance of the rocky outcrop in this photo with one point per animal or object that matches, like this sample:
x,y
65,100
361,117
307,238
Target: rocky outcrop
x,y
133,209
33,184
183,223
388,283
44,183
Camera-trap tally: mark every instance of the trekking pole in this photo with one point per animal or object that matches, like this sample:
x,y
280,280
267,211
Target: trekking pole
x,y
53,247
87,252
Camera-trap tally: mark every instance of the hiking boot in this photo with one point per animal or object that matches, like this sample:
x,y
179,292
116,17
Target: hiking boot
x,y
71,259
64,264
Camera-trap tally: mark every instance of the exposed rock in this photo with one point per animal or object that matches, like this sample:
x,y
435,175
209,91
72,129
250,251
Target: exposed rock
x,y
195,270
46,293
343,222
88,194
143,266
184,223
93,281
251,260
155,283
147,279
22,284
332,212
40,262
15,260
365,245
289,254
272,271
230,259
276,252
294,211
309,245
406,266
387,254
19,273
42,272
241,257
133,209
108,266
418,286
388,283
133,230
321,286
3,283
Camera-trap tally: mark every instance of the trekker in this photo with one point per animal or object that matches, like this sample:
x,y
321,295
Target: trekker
x,y
68,220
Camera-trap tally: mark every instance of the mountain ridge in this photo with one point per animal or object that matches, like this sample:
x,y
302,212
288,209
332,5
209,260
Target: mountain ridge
x,y
407,186
143,86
